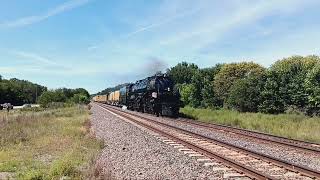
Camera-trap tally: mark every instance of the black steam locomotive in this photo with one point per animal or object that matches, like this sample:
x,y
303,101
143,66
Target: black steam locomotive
x,y
153,95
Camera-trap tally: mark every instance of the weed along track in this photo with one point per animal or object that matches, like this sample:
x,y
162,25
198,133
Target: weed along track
x,y
233,161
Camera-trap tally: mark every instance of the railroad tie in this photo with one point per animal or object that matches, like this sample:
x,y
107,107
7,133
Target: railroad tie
x,y
184,149
189,152
205,159
211,164
196,155
175,144
220,169
232,175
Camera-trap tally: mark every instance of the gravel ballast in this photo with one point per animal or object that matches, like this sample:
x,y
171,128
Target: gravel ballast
x,y
135,153
311,160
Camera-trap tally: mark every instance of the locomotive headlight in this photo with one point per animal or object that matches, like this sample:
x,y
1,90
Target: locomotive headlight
x,y
168,89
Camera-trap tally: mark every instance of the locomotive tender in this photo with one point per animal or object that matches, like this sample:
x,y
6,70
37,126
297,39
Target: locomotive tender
x,y
154,95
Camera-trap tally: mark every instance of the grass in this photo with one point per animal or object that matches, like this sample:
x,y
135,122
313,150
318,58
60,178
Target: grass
x,y
47,144
286,125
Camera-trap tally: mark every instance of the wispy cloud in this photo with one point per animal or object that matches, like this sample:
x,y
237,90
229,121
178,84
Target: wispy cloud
x,y
207,30
34,57
24,21
35,63
38,61
163,22
93,47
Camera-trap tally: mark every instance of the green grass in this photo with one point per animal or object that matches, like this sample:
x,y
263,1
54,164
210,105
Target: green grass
x,y
47,144
286,125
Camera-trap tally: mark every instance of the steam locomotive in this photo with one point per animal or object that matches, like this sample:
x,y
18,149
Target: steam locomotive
x,y
154,95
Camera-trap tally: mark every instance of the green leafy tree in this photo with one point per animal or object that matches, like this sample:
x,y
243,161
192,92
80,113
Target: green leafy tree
x,y
271,101
209,99
245,94
81,91
52,96
230,73
187,92
182,72
285,86
197,86
80,98
18,92
312,84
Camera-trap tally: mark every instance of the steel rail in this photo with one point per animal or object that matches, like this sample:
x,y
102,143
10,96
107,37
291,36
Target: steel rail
x,y
250,172
295,168
243,133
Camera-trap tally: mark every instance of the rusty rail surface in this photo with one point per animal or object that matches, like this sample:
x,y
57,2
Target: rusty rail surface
x,y
247,170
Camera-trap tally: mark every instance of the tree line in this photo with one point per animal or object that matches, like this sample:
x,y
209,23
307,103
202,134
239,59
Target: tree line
x,y
19,92
64,96
289,85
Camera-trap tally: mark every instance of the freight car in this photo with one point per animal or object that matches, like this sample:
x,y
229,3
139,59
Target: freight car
x,y
100,98
113,98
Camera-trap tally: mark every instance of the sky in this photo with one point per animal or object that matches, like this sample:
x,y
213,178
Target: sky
x,y
97,44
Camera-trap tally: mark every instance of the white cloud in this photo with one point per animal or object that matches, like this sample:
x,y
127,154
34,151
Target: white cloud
x,y
187,35
164,21
94,47
24,21
213,25
34,57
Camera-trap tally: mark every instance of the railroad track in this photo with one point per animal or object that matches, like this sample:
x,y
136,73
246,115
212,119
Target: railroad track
x,y
296,144
254,135
232,158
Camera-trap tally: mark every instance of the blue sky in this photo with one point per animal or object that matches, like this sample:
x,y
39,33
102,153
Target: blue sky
x,y
100,43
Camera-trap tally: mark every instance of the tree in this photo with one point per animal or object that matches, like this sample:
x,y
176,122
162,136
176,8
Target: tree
x,y
182,72
52,96
285,86
271,101
230,73
80,98
18,92
187,92
312,84
209,98
82,92
197,86
245,94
